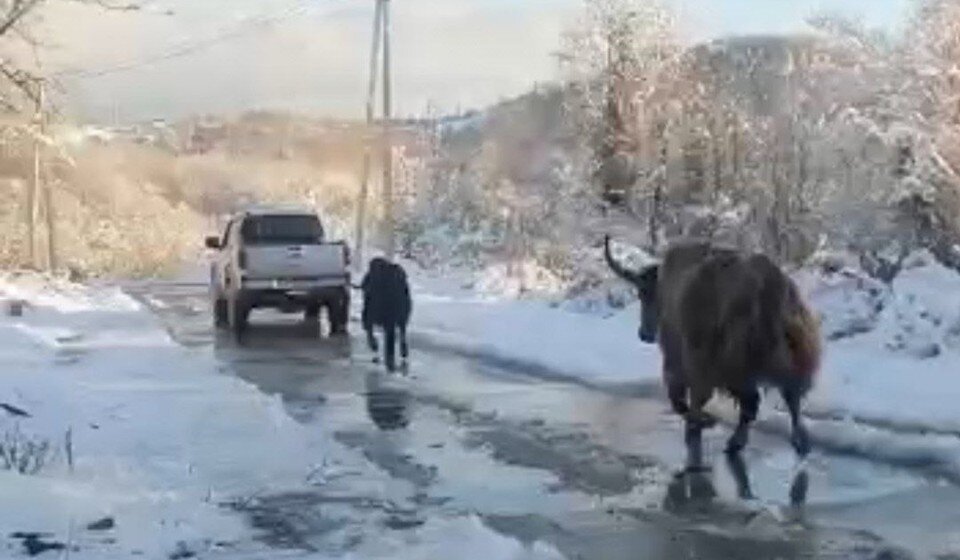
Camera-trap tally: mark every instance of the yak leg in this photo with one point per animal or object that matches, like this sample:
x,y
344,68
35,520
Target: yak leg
x,y
404,349
677,392
696,420
738,469
800,438
749,401
368,326
673,374
696,415
390,346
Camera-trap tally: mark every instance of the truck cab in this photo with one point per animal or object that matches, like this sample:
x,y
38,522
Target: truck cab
x,y
279,258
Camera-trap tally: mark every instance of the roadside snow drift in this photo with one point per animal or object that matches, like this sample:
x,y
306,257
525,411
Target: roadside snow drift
x,y
139,431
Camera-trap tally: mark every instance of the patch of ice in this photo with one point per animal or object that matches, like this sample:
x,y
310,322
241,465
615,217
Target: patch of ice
x,y
453,538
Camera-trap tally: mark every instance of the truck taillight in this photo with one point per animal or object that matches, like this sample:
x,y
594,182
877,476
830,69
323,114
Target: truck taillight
x,y
242,259
346,255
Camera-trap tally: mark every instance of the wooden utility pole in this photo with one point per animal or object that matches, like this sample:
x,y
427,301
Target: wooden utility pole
x,y
365,174
33,193
388,224
47,188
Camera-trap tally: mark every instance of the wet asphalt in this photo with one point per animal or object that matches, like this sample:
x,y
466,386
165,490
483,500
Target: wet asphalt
x,y
595,473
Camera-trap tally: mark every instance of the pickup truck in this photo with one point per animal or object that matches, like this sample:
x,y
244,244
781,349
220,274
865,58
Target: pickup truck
x,y
278,258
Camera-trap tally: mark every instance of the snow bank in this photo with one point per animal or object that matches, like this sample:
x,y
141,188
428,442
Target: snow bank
x,y
585,346
900,364
518,280
157,440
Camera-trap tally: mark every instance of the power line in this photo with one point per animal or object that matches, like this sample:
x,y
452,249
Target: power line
x,y
248,26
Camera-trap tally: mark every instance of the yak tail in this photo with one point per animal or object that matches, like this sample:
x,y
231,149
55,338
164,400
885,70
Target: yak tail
x,y
803,337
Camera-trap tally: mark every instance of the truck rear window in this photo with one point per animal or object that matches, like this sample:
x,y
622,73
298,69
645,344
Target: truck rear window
x,y
281,230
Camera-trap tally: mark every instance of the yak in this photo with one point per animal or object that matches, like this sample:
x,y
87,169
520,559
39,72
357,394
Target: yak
x,y
387,304
726,321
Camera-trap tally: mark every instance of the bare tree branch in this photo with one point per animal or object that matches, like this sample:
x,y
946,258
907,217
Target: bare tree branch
x,y
17,10
115,6
25,81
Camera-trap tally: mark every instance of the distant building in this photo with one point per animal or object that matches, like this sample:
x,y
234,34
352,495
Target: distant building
x,y
206,136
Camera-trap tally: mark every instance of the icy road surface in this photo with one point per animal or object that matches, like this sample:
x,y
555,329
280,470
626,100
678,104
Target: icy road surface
x,y
555,466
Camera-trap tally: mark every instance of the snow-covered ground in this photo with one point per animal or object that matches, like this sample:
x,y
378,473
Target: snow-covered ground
x,y
593,347
888,387
147,440
159,439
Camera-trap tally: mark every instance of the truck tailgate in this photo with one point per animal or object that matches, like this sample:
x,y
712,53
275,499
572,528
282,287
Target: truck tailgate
x,y
326,261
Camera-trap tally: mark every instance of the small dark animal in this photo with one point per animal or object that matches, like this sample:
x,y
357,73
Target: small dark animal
x,y
387,304
726,321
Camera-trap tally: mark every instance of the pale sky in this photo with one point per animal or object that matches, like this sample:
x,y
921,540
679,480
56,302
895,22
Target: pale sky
x,y
314,55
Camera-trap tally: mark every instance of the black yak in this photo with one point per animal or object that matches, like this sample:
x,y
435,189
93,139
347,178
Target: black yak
x,y
387,304
726,321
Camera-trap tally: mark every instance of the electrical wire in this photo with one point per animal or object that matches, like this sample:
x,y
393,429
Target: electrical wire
x,y
246,27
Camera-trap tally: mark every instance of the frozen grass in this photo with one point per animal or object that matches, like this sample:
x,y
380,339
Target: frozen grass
x,y
23,453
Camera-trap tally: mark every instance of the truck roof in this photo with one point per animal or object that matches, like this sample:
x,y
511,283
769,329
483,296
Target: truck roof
x,y
279,209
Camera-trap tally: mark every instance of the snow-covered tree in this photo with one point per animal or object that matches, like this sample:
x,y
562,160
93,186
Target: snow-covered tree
x,y
897,101
622,64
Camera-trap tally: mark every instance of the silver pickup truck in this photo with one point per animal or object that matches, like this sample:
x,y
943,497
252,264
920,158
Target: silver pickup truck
x,y
278,258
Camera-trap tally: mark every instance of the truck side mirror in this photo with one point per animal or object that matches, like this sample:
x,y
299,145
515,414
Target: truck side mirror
x,y
213,242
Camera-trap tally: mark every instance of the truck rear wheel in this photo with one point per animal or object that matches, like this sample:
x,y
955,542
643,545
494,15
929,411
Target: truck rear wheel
x,y
239,311
339,313
221,314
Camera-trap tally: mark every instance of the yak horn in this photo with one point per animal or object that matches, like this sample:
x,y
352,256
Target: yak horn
x,y
628,275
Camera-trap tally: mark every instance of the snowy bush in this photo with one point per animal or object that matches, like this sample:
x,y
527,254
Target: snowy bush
x,y
916,314
848,301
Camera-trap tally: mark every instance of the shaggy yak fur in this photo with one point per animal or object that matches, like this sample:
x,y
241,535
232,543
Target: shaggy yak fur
x,y
387,304
726,321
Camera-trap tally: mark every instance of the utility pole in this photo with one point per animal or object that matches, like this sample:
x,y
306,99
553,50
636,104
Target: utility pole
x,y
47,188
388,224
371,94
33,193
